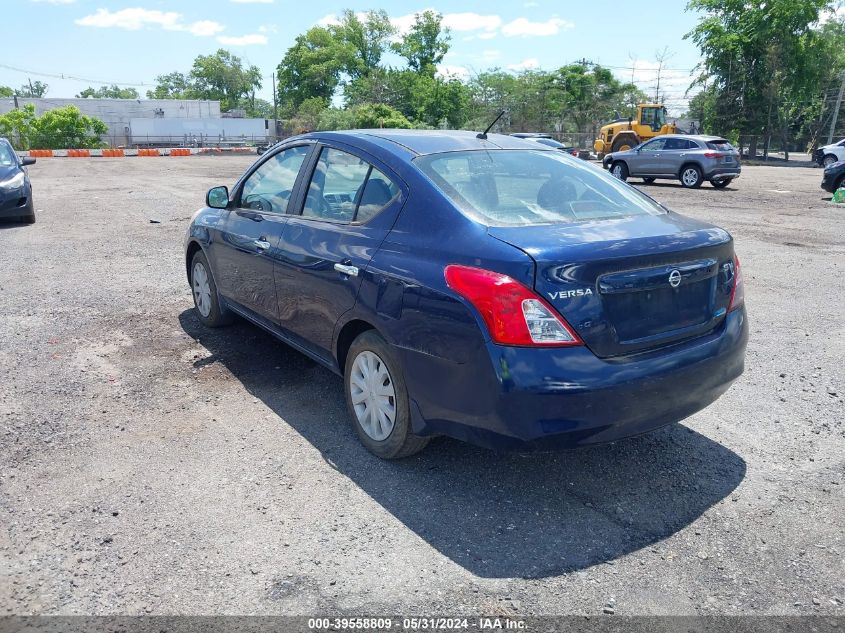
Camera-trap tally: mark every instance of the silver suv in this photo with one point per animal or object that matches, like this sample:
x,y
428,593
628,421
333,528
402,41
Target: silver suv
x,y
690,159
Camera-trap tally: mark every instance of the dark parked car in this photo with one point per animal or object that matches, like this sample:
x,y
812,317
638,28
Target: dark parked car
x,y
834,176
690,159
15,188
548,141
482,288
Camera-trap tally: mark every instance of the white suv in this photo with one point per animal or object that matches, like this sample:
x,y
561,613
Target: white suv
x,y
829,154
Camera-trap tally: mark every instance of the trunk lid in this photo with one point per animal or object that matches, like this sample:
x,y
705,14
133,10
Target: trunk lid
x,y
631,284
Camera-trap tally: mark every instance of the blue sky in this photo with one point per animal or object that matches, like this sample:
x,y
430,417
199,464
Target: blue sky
x,y
132,41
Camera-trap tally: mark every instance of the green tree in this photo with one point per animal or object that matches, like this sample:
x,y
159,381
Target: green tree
x,y
55,129
379,115
363,42
17,126
33,89
108,92
224,78
767,64
5,91
173,85
425,45
67,127
311,68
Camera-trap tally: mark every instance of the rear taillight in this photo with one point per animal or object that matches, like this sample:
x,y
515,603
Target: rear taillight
x,y
738,288
713,155
514,314
574,152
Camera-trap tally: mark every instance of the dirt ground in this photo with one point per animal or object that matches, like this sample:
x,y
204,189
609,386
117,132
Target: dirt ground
x,y
150,466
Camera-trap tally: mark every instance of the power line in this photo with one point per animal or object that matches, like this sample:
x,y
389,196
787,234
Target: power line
x,y
74,78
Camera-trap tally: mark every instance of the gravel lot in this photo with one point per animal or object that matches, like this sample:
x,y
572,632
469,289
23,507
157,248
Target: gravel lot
x,y
150,466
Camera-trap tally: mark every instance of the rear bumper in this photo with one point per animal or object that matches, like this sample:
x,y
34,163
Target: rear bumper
x,y
568,397
723,173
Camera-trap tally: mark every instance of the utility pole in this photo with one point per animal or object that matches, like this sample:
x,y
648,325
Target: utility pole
x,y
836,111
31,91
275,108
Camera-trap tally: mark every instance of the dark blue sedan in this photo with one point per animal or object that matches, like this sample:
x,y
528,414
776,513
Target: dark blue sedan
x,y
484,288
15,188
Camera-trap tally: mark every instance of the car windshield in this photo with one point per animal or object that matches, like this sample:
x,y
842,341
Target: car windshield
x,y
529,187
7,156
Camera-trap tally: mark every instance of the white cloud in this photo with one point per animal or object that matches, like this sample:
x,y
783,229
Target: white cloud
x,y
450,71
525,64
827,15
471,22
55,1
243,40
203,28
136,18
268,28
524,27
531,4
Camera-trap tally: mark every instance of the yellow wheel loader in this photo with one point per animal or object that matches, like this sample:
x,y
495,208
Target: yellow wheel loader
x,y
623,134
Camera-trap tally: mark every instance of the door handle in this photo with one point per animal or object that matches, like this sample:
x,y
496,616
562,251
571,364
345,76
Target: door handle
x,y
262,244
351,271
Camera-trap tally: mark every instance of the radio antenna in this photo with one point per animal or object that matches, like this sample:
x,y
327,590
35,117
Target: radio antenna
x,y
483,135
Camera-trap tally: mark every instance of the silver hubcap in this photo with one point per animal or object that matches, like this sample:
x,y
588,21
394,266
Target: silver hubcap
x,y
617,171
373,396
690,177
829,161
202,289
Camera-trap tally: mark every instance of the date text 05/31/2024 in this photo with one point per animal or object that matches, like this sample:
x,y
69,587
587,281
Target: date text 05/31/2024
x,y
415,624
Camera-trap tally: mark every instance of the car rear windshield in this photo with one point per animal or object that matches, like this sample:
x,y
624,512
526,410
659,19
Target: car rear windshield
x,y
720,145
529,187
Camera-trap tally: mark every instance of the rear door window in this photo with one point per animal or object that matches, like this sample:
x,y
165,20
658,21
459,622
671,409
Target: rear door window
x,y
345,188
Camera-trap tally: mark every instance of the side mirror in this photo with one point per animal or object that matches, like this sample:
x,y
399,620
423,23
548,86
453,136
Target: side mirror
x,y
217,197
27,160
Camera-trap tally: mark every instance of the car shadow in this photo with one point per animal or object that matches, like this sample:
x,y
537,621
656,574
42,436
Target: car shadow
x,y
12,224
498,515
676,185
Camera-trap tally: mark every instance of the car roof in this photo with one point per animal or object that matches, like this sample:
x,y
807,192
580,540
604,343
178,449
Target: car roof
x,y
421,142
698,137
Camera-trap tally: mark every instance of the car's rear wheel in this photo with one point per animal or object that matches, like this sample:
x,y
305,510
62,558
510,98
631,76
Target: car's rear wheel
x,y
721,184
648,181
691,177
204,290
829,159
619,170
377,399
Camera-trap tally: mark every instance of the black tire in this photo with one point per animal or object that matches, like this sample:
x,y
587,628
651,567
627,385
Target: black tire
x,y
401,442
829,159
619,170
691,177
218,315
721,184
624,143
648,181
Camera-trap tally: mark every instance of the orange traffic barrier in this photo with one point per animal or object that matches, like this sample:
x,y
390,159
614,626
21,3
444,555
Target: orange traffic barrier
x,y
79,153
113,153
41,153
180,151
148,152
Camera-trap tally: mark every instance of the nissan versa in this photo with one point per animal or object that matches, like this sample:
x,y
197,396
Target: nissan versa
x,y
484,288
